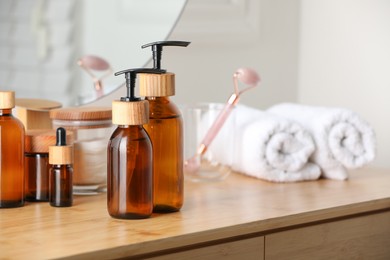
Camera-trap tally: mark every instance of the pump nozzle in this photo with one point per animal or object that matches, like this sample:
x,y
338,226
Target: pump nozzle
x,y
131,75
157,48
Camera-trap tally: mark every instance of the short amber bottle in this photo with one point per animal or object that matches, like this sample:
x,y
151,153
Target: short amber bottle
x,y
61,172
12,154
130,157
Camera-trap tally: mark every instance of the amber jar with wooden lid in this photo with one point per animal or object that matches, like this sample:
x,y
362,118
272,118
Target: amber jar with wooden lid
x,y
92,128
36,162
12,154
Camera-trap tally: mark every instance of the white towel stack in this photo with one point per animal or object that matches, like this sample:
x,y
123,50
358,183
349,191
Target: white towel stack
x,y
343,139
265,146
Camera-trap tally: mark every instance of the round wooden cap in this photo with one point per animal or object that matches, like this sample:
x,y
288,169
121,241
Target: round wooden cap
x,y
61,154
37,104
156,85
130,113
39,140
81,113
7,99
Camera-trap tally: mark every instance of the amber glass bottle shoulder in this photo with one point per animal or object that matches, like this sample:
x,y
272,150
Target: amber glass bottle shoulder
x,y
9,119
162,107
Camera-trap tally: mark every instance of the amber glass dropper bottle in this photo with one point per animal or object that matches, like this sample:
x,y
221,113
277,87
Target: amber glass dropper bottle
x,y
11,154
165,129
61,172
130,156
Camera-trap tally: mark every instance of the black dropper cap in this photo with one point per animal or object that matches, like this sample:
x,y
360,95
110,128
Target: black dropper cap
x,y
61,153
131,75
61,137
157,48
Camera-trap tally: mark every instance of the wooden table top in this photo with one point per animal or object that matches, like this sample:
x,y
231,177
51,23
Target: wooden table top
x,y
238,206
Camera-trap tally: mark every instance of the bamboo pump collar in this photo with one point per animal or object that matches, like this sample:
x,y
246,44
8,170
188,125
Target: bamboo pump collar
x,y
131,110
157,85
130,113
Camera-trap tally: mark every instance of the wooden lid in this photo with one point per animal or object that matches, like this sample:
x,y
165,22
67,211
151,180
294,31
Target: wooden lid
x,y
81,113
7,99
37,104
156,85
130,113
61,154
38,141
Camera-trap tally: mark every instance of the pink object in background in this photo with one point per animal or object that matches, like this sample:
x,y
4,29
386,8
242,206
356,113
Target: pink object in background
x,y
94,63
245,75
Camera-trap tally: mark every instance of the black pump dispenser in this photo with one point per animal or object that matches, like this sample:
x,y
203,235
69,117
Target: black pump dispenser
x,y
157,48
131,75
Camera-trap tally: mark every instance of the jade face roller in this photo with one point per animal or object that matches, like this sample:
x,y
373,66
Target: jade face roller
x,y
245,75
94,63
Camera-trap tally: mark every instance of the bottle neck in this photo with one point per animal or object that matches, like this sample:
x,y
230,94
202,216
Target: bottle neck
x,y
62,166
157,98
130,126
5,111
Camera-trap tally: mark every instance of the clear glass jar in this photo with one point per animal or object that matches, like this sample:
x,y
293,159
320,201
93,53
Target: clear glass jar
x,y
215,163
92,128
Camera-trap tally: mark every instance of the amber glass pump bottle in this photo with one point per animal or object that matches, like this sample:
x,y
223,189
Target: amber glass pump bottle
x,y
130,155
165,129
11,154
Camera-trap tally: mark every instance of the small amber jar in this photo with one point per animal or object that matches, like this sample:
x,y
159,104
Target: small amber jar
x,y
36,163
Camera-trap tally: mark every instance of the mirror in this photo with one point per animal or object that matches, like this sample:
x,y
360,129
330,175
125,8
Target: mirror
x,y
42,40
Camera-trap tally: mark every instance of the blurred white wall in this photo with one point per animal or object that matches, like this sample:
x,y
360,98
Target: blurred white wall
x,y
344,60
226,35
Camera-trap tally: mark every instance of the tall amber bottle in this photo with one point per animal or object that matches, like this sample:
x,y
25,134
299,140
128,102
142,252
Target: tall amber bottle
x,y
130,156
165,129
11,154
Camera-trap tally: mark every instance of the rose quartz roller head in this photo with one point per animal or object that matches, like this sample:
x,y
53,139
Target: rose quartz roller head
x,y
248,77
92,63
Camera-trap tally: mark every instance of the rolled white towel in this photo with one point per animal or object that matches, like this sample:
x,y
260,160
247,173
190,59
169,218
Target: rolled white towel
x,y
343,139
265,146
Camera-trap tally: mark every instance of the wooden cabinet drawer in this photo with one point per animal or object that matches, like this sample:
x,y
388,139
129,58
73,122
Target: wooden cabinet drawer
x,y
248,249
365,237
